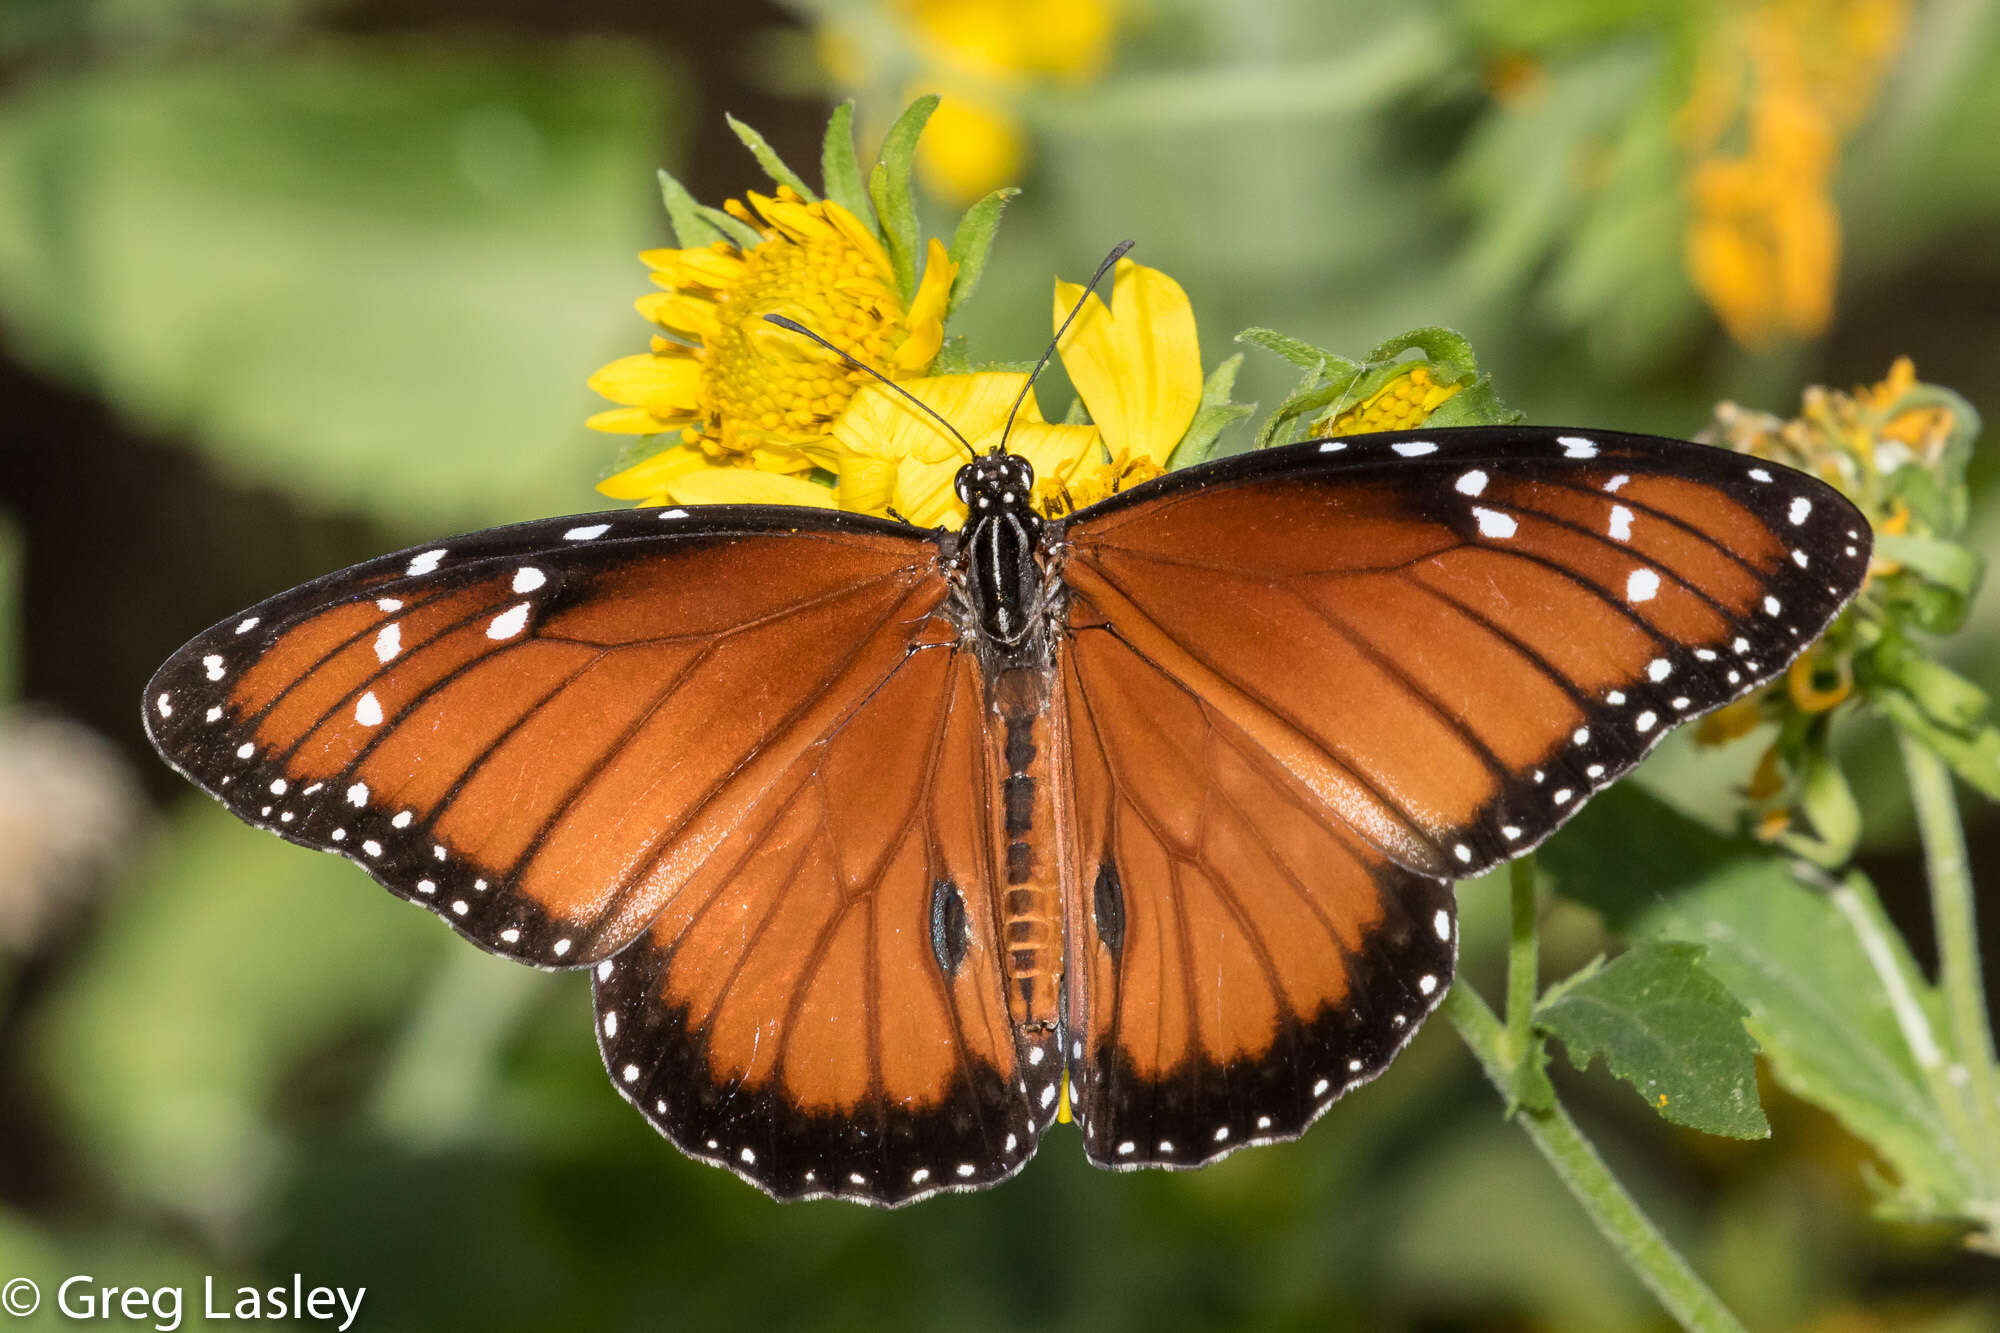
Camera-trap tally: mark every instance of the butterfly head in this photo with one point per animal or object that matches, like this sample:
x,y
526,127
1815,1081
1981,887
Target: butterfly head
x,y
996,484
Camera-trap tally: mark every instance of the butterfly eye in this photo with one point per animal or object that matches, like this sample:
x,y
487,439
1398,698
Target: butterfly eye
x,y
963,485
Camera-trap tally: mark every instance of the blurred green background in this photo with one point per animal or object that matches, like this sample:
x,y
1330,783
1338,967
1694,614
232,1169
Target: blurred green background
x,y
286,283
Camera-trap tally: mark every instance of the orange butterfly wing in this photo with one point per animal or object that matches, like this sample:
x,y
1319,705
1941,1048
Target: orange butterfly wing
x,y
686,731
822,1009
1306,686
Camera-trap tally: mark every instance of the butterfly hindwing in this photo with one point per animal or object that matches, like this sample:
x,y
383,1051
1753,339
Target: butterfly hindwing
x,y
1239,956
821,1009
1456,636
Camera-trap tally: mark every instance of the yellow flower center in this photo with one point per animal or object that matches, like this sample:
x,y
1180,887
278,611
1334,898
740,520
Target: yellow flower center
x,y
1401,404
763,385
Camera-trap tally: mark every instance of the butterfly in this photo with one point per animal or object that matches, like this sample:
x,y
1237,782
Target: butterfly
x,y
881,843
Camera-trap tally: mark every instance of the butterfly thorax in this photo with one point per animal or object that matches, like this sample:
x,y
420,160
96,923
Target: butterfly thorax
x,y
1003,613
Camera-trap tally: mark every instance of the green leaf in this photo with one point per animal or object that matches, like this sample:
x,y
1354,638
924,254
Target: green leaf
x,y
1974,755
952,358
767,158
1667,1027
1447,351
1475,405
170,1073
839,171
692,228
734,229
972,242
1295,350
1835,1002
1830,807
1197,443
889,187
1312,392
373,276
1957,567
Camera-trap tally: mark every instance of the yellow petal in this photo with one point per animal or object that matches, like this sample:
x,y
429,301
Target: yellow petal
x,y
688,314
1137,365
879,424
867,485
749,486
660,259
795,219
715,265
654,475
860,236
664,385
632,421
926,318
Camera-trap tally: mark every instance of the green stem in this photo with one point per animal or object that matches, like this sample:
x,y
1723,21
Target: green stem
x,y
1957,928
1523,965
1590,1181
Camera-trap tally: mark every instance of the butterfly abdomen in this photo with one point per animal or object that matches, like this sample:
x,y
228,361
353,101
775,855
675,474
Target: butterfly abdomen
x,y
1031,901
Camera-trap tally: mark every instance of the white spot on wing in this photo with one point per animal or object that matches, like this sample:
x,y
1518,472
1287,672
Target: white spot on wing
x,y
1414,448
1617,481
1427,983
357,795
245,625
1659,669
388,604
368,710
426,562
1801,507
527,578
389,642
1441,923
165,706
1759,474
1575,446
1493,523
1333,446
1472,483
587,533
1621,524
213,662
509,622
1641,585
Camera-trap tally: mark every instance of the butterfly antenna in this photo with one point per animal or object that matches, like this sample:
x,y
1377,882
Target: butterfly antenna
x,y
858,364
1117,253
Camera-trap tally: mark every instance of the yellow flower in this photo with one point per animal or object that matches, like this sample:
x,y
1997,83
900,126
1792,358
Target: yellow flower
x,y
741,391
1136,364
1788,79
1401,404
888,455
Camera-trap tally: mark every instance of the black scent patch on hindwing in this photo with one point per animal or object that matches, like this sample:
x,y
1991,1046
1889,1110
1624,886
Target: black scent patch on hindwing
x,y
1107,904
950,931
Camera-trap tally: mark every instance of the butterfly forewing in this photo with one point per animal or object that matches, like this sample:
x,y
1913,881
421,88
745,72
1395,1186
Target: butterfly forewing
x,y
1455,637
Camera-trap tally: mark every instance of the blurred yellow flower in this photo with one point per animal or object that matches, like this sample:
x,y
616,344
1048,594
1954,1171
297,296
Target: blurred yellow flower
x,y
743,393
1777,86
1402,404
982,55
